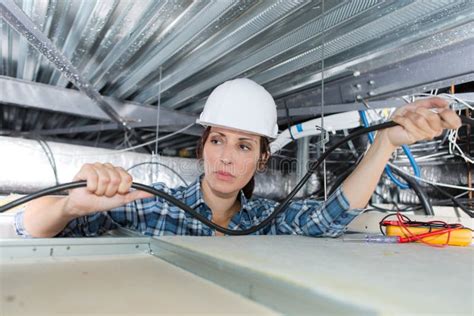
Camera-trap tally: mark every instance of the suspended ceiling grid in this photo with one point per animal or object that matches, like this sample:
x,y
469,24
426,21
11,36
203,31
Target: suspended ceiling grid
x,y
139,54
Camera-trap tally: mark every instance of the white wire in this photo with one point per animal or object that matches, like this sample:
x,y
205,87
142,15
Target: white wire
x,y
431,182
442,154
114,152
155,140
452,142
453,147
442,95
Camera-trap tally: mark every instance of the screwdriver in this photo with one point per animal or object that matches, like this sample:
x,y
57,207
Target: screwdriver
x,y
381,239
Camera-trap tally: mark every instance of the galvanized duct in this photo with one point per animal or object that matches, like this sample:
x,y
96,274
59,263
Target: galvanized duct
x,y
274,185
447,172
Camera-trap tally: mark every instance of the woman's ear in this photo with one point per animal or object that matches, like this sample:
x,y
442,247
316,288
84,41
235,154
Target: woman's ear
x,y
262,162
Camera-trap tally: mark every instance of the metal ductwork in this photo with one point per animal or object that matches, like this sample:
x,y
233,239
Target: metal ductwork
x,y
25,167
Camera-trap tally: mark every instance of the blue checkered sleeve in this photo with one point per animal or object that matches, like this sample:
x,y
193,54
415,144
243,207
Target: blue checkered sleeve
x,y
133,215
315,218
18,223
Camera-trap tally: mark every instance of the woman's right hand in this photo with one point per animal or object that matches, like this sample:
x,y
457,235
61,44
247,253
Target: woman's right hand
x,y
108,187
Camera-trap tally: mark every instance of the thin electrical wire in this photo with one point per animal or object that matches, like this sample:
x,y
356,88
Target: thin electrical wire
x,y
129,148
451,135
431,182
455,201
125,142
460,195
155,140
443,154
453,147
158,107
49,154
444,96
323,147
160,164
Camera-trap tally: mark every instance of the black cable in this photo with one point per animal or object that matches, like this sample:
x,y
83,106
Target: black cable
x,y
160,164
466,120
449,201
289,120
186,208
424,200
397,207
375,208
454,200
340,179
387,216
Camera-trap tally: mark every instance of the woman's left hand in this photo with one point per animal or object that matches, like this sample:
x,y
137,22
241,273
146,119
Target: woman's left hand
x,y
422,120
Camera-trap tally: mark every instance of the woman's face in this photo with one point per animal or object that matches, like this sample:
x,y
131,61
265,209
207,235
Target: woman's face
x,y
230,159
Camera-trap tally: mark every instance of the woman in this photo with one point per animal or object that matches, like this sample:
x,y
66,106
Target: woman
x,y
240,118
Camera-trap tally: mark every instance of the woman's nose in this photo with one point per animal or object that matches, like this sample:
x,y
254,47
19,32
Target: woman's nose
x,y
226,156
225,161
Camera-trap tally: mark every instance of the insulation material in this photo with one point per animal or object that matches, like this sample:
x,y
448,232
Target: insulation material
x,y
24,168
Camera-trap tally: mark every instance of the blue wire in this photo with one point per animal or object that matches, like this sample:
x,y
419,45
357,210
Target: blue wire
x,y
406,150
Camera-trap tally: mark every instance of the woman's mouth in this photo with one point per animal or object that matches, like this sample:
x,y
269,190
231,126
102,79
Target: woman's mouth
x,y
225,176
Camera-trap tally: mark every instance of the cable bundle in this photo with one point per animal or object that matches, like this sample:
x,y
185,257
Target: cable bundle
x,y
281,208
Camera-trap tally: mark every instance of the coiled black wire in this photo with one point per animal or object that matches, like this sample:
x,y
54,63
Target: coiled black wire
x,y
204,220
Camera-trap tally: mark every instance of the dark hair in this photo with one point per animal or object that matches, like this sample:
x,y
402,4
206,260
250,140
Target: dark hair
x,y
264,149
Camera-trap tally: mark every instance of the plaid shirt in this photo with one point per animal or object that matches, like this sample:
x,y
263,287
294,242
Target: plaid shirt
x,y
156,216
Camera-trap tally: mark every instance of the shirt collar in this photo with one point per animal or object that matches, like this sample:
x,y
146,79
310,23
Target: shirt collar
x,y
194,198
244,202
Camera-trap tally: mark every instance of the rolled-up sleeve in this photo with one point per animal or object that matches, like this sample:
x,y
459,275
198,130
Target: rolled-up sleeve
x,y
315,218
19,224
134,215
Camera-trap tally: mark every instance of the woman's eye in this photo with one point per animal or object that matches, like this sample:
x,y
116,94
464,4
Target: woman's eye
x,y
215,141
245,147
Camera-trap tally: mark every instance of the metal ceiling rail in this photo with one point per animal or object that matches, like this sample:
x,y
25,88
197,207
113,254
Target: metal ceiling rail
x,y
23,24
14,249
195,130
421,72
45,97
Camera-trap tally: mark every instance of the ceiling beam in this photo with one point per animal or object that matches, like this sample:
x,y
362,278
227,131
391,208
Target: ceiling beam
x,y
45,97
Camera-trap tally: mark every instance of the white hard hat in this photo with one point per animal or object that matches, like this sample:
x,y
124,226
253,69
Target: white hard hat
x,y
241,104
